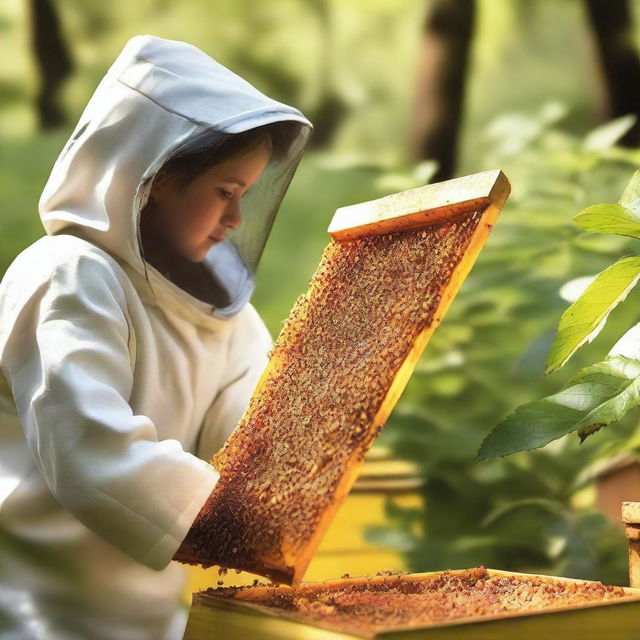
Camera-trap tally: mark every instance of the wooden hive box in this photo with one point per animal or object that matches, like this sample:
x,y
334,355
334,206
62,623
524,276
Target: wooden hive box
x,y
473,604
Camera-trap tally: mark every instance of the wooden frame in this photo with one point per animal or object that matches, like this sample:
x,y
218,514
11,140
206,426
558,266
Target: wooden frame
x,y
421,207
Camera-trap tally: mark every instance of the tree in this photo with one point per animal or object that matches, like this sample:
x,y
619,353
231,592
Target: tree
x,y
612,27
331,108
441,79
53,61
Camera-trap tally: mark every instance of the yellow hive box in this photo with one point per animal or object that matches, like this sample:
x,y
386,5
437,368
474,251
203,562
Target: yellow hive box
x,y
474,604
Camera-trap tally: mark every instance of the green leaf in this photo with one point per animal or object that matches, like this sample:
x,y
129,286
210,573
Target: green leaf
x,y
628,345
551,506
584,319
630,198
385,536
609,218
572,290
606,135
596,396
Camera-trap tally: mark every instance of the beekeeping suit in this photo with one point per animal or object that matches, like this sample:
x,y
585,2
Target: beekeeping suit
x,y
117,385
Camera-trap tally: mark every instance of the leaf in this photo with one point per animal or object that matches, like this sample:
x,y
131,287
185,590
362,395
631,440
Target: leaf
x,y
596,396
630,198
609,218
572,290
606,135
552,506
583,320
606,245
391,538
425,170
585,432
629,345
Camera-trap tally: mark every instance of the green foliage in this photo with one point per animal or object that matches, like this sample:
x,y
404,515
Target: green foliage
x,y
601,393
524,512
595,397
609,218
606,135
585,318
531,511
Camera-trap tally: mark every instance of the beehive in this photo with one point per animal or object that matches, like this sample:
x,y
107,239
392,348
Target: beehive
x,y
631,520
474,603
337,368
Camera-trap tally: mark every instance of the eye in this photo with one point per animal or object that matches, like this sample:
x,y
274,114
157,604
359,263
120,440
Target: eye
x,y
227,195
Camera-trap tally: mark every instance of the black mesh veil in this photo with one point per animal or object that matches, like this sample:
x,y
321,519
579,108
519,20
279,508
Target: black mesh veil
x,y
233,263
262,202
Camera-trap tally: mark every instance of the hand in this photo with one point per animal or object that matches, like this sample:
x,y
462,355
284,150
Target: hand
x,y
190,551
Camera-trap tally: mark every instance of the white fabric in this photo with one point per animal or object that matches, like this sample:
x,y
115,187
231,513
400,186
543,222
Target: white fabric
x,y
115,391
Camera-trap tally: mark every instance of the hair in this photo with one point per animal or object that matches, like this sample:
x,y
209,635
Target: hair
x,y
212,147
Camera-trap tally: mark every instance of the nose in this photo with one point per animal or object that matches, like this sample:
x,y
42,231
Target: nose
x,y
232,217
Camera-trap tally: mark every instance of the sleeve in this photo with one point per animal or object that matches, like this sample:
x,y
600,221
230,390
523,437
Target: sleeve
x,y
248,356
65,353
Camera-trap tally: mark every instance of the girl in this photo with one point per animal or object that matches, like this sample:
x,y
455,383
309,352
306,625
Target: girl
x,y
128,346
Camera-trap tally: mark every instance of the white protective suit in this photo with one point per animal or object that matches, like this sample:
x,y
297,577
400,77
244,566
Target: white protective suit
x,y
116,388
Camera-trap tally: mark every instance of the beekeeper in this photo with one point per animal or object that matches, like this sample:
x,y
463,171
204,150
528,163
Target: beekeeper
x,y
128,346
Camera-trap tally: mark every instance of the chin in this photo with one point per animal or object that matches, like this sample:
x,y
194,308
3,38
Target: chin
x,y
194,255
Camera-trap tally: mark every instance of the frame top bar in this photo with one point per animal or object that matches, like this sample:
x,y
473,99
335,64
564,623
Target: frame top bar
x,y
422,206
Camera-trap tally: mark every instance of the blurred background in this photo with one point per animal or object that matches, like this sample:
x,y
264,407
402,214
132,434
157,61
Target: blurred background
x,y
403,93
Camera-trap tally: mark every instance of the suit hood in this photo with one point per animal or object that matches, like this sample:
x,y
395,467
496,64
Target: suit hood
x,y
156,97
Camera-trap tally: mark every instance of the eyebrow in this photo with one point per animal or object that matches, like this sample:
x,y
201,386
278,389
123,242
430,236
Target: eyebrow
x,y
240,182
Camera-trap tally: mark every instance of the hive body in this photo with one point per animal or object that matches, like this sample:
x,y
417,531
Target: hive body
x,y
337,368
371,605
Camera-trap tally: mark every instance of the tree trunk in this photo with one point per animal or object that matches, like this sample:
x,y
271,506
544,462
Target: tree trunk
x,y
52,59
441,79
331,109
611,22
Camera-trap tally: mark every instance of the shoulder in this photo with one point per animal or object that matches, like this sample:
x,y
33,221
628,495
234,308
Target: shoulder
x,y
64,270
64,258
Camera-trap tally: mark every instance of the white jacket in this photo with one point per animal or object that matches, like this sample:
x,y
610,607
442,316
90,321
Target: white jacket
x,y
116,389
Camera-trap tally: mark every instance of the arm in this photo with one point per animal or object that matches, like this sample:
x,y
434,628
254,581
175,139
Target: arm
x,y
64,349
248,356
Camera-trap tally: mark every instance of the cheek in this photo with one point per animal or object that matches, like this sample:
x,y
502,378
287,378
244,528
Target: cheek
x,y
204,211
189,214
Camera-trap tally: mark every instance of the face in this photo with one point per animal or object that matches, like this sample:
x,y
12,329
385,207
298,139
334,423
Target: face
x,y
190,221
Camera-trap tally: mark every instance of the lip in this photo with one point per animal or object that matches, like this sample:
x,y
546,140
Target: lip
x,y
217,238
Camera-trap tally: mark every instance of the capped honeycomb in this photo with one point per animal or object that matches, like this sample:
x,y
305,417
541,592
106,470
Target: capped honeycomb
x,y
337,368
369,605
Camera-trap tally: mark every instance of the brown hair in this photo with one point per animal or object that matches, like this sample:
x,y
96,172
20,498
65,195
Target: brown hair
x,y
212,147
